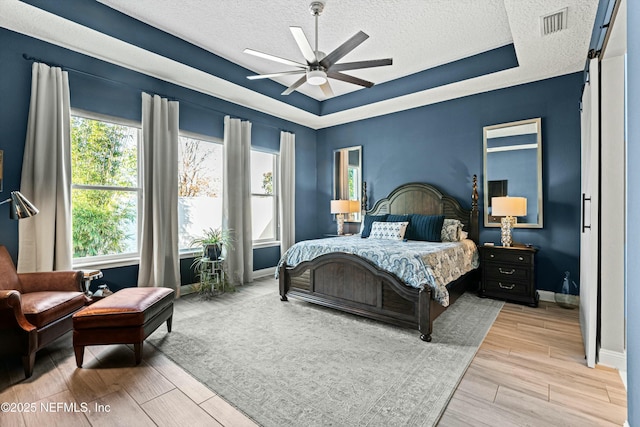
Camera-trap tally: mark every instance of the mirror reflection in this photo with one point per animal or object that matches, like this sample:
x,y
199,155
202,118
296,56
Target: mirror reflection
x,y
513,167
347,177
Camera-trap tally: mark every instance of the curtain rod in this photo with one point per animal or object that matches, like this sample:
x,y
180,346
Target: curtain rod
x,y
171,98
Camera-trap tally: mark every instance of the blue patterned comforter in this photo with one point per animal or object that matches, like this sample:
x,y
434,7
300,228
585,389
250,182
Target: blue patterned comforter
x,y
418,264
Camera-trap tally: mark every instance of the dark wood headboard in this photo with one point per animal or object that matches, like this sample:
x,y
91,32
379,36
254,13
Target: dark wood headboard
x,y
425,199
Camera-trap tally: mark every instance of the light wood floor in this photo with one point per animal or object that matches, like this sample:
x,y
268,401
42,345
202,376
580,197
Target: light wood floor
x,y
529,371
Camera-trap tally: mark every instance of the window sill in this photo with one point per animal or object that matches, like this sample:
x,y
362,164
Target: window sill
x,y
270,244
127,262
99,265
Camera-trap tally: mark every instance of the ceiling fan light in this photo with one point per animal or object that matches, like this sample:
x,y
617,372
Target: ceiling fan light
x,y
316,77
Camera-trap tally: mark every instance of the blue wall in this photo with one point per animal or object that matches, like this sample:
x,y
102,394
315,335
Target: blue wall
x,y
633,207
198,113
442,144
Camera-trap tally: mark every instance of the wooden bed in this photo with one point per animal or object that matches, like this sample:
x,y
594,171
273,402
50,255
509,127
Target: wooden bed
x,y
352,284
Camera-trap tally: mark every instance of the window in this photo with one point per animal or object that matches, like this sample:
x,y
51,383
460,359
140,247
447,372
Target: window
x,y
105,191
264,206
199,187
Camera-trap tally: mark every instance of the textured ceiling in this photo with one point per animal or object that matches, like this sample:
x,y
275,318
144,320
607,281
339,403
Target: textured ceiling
x,y
417,34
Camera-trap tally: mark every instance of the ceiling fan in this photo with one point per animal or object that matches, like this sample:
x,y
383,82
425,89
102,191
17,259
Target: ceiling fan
x,y
319,67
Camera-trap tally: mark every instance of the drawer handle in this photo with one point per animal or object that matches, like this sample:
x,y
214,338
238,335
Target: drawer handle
x,y
508,287
509,272
521,258
492,256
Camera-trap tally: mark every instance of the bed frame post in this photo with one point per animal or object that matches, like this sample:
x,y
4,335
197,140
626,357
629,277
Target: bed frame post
x,y
424,316
474,229
284,283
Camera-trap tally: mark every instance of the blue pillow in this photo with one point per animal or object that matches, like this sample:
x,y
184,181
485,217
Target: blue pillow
x,y
398,218
368,221
426,227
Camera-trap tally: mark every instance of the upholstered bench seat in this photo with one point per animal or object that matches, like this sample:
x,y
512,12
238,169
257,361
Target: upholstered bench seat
x,y
128,316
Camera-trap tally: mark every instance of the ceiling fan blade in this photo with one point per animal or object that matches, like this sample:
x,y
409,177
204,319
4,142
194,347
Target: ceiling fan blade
x,y
303,44
275,58
326,89
343,49
361,64
349,79
268,76
296,85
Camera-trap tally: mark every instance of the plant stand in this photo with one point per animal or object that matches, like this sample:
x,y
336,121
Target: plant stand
x,y
212,278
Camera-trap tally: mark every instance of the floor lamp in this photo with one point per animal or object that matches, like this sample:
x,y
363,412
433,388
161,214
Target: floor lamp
x,y
19,206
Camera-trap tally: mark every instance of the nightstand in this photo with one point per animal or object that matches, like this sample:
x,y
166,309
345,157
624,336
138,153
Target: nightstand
x,y
509,273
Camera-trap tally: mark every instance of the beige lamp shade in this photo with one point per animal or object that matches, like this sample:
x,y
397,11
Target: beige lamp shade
x,y
340,206
509,206
354,206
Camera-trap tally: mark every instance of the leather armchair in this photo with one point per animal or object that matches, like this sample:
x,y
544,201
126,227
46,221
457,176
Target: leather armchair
x,y
35,308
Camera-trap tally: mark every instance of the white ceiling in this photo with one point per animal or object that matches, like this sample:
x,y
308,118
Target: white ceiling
x,y
539,57
417,34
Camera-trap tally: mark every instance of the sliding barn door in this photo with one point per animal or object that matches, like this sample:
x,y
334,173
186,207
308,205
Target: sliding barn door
x,y
589,226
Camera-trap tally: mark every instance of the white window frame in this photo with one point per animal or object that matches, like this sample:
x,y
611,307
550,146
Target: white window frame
x,y
191,252
114,260
275,241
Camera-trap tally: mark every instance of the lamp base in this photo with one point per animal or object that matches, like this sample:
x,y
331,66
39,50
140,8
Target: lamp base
x,y
340,222
507,225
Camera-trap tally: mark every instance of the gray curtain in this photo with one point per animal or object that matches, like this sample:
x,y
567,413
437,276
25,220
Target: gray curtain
x,y
45,241
287,190
159,258
236,199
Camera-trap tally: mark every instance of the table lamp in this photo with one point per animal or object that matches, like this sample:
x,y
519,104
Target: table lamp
x,y
341,207
508,208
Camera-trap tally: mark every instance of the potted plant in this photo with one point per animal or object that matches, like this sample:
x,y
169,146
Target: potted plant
x,y
208,266
213,241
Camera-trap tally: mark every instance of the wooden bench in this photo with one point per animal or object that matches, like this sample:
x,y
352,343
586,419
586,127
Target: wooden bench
x,y
128,316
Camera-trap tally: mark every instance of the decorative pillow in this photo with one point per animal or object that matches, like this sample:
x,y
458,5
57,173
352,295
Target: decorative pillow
x,y
464,235
426,227
368,220
388,230
401,218
451,229
398,218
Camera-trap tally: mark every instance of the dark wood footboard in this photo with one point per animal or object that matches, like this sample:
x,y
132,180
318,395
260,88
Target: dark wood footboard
x,y
352,284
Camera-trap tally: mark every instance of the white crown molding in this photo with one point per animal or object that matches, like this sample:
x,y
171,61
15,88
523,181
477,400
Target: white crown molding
x,y
34,22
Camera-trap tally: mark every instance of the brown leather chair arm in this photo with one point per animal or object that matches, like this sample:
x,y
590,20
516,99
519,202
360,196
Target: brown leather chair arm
x,y
52,281
10,300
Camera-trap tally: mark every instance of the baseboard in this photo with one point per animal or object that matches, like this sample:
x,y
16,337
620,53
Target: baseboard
x,y
613,359
257,274
186,290
265,272
547,296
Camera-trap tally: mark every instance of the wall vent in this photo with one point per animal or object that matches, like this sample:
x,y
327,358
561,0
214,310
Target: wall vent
x,y
553,22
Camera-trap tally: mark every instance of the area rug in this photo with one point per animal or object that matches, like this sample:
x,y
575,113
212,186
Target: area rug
x,y
297,364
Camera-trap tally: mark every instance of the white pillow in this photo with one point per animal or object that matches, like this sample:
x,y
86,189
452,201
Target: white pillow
x,y
388,230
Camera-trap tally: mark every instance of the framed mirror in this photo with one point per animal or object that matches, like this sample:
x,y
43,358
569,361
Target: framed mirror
x,y
513,167
347,177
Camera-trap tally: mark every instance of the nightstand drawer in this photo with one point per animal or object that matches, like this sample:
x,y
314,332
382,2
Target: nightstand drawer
x,y
506,271
507,288
507,256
